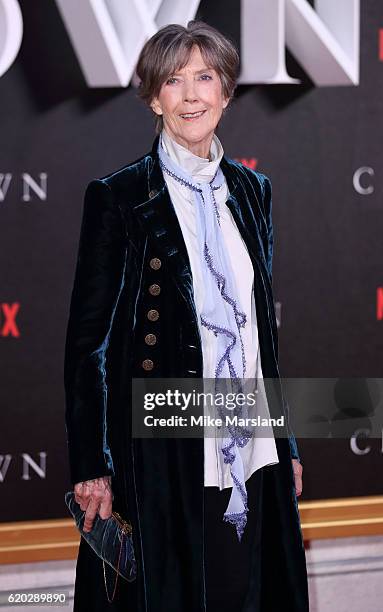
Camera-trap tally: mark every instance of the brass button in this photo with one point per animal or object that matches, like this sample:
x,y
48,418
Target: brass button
x,y
153,193
153,314
150,339
155,263
154,289
147,364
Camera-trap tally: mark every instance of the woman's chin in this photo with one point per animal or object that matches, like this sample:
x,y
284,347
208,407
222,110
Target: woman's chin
x,y
196,134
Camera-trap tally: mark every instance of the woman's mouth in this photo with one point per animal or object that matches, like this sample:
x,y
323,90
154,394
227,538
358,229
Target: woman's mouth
x,y
192,116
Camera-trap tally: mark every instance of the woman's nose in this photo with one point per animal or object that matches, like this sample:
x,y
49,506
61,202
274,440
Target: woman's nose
x,y
190,93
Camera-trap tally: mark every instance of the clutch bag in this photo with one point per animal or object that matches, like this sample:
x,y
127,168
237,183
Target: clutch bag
x,y
111,539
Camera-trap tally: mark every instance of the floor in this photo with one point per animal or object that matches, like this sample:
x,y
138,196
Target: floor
x,y
345,575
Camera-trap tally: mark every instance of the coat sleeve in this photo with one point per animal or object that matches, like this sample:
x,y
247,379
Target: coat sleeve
x,y
268,247
98,281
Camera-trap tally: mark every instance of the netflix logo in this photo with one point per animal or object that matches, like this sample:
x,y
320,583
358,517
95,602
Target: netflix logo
x,y
8,325
250,162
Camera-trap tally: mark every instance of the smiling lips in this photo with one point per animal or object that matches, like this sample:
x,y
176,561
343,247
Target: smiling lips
x,y
192,116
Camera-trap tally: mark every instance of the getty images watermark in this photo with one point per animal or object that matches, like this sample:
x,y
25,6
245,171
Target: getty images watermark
x,y
266,407
201,408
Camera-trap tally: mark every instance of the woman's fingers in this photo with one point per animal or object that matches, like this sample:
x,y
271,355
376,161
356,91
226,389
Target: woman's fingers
x,y
94,496
81,497
298,471
90,513
105,507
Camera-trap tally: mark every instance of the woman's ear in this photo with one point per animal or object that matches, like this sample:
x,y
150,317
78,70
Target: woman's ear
x,y
225,102
156,106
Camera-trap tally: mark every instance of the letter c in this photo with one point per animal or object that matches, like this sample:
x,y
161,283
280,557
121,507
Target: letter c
x,y
356,180
354,442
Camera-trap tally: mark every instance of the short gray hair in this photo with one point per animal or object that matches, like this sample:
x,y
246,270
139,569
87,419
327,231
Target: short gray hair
x,y
169,49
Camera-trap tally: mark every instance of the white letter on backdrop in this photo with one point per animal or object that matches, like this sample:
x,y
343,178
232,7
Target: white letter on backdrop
x,y
11,33
325,41
108,35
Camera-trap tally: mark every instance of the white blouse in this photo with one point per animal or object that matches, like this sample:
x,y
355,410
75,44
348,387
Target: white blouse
x,y
260,450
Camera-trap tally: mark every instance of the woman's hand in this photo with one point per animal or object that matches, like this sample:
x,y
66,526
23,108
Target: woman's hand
x,y
94,496
297,469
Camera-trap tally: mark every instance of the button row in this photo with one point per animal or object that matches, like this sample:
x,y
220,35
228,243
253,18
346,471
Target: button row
x,y
152,314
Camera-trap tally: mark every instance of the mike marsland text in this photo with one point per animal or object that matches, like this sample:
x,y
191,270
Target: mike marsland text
x,y
208,421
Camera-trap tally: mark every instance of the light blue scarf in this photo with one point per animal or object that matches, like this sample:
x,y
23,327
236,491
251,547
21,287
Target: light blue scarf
x,y
223,316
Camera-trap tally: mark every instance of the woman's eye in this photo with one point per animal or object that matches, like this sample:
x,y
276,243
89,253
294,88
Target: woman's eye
x,y
205,77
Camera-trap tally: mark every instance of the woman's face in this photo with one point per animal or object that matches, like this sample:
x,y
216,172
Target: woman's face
x,y
192,89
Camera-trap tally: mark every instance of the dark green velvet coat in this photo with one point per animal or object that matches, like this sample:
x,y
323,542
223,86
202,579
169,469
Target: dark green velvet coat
x,y
158,484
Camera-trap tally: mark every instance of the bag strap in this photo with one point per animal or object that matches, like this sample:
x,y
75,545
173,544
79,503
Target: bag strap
x,y
116,580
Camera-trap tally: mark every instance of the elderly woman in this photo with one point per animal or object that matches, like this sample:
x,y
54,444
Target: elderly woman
x,y
173,280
